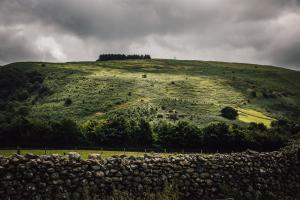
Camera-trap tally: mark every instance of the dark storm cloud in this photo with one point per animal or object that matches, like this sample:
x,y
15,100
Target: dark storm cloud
x,y
231,30
14,47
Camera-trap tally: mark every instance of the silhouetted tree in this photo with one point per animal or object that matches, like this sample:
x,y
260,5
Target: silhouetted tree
x,y
105,57
229,113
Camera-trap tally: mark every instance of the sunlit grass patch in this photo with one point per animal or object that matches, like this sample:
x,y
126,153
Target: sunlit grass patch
x,y
84,153
249,115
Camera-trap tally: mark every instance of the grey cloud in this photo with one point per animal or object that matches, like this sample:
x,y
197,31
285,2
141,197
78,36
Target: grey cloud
x,y
231,30
16,47
288,56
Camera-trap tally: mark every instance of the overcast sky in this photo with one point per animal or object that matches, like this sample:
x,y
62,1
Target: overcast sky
x,y
255,31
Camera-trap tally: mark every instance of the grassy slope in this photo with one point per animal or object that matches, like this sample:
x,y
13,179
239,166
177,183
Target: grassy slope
x,y
197,90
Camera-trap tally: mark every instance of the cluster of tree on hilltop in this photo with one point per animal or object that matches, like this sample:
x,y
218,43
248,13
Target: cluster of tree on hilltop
x,y
104,57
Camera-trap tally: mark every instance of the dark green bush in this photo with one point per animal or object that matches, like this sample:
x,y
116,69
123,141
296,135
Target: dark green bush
x,y
173,116
68,101
229,113
160,116
23,111
22,95
257,127
285,126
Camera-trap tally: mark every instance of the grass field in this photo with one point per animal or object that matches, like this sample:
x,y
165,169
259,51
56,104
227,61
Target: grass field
x,y
84,153
195,90
248,115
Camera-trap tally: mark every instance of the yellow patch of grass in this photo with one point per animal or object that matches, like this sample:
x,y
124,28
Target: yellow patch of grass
x,y
249,115
99,113
139,101
84,153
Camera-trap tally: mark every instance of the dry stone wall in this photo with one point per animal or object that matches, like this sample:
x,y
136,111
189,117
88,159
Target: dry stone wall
x,y
248,175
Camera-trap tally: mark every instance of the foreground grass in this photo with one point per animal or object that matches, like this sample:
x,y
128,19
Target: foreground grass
x,y
84,153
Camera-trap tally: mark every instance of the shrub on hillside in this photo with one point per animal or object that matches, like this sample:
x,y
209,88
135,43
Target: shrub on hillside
x,y
229,113
285,126
253,94
44,91
173,116
68,101
160,116
22,95
23,111
257,127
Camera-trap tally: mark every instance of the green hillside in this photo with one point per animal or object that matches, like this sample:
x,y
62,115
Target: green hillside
x,y
90,93
195,90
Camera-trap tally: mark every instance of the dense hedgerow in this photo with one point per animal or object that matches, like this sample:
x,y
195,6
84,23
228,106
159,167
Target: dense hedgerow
x,y
124,132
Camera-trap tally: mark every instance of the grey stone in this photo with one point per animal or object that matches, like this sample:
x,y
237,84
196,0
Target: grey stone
x,y
55,176
8,176
113,171
125,172
14,160
94,156
51,170
96,167
248,195
209,182
99,174
190,170
204,175
137,179
140,187
28,175
74,156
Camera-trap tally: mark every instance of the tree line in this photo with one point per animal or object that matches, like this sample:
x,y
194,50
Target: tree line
x,y
123,132
105,57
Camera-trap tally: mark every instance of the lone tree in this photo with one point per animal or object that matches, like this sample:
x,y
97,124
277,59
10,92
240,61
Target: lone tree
x,y
229,113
